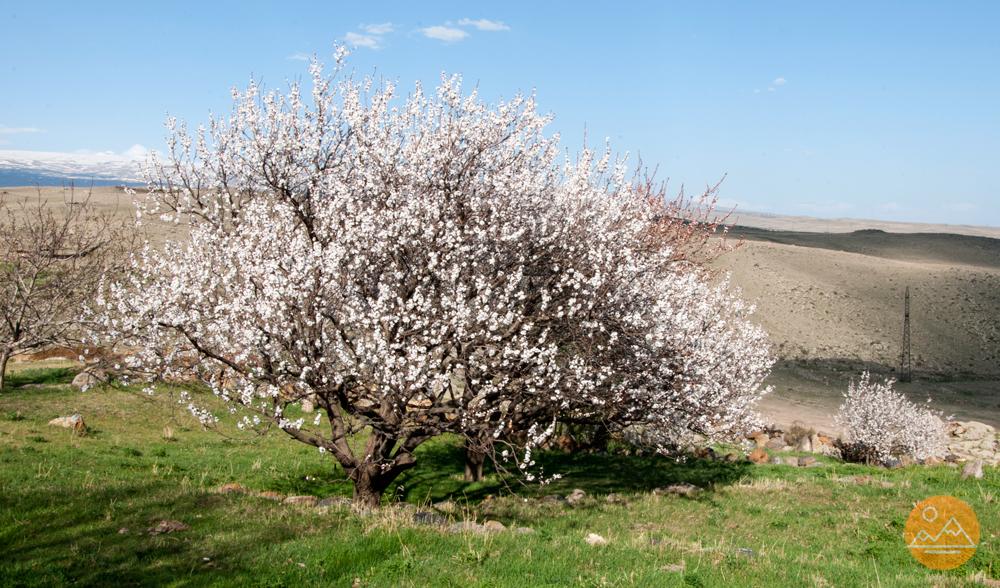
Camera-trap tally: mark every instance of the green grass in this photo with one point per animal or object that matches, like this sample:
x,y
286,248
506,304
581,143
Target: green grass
x,y
63,500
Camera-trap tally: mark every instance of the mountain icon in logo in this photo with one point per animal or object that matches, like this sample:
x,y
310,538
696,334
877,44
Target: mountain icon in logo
x,y
951,537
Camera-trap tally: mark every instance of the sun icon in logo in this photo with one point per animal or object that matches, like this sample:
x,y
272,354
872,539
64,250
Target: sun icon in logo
x,y
929,514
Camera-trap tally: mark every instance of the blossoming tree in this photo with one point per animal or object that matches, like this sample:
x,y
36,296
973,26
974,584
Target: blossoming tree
x,y
420,266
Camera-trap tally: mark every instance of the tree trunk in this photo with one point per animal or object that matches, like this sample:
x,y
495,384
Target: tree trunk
x,y
4,357
475,457
369,485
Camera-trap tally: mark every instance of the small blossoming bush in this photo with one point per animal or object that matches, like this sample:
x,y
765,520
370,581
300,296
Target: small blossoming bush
x,y
881,423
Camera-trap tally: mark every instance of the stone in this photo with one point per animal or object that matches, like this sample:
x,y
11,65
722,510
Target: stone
x,y
776,460
74,422
576,497
334,502
423,517
446,506
301,500
494,526
776,443
760,438
271,495
554,499
746,552
307,405
907,461
804,462
973,469
123,531
595,540
466,527
167,526
804,444
86,380
677,568
759,455
892,463
932,461
232,488
614,499
682,489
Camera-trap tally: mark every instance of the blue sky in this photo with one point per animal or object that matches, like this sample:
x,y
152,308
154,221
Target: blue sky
x,y
875,110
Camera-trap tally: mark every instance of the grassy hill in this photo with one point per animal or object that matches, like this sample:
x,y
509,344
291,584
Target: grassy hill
x,y
77,510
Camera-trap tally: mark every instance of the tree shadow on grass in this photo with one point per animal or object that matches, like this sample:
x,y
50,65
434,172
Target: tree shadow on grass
x,y
439,471
56,540
39,377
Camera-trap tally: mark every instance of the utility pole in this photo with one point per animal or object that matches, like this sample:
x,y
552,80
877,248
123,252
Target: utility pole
x,y
905,366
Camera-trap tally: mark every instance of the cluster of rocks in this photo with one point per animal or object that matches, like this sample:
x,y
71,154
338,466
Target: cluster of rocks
x,y
973,441
796,439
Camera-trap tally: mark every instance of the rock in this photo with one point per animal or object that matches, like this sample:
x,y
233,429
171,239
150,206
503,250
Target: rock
x,y
746,552
614,499
576,497
595,540
973,469
167,526
301,500
931,461
423,517
777,444
446,506
86,380
907,461
524,531
74,422
232,488
759,455
467,527
759,438
494,526
683,489
123,531
307,405
705,453
804,444
271,495
334,502
677,568
779,461
804,462
554,499
892,463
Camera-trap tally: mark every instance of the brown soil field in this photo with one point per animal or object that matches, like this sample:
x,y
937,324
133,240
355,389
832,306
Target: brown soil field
x,y
830,294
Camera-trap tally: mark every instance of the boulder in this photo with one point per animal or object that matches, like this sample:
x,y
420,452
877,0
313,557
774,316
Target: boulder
x,y
683,489
576,497
423,517
467,527
232,488
86,380
74,422
494,526
777,444
334,502
301,500
759,455
804,462
973,469
595,540
167,526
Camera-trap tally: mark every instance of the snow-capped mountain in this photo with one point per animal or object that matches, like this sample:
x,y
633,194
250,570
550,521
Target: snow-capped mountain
x,y
26,168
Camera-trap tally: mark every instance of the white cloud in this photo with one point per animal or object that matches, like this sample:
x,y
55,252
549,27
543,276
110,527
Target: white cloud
x,y
136,152
443,33
360,40
4,130
379,29
779,82
484,24
298,57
